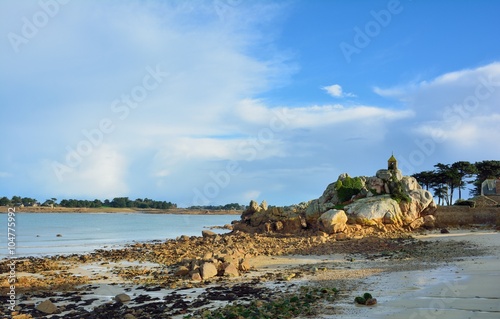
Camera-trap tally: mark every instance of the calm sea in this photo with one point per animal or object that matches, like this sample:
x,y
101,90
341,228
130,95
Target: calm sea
x,y
37,234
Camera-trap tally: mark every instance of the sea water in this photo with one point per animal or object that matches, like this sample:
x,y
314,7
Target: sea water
x,y
42,234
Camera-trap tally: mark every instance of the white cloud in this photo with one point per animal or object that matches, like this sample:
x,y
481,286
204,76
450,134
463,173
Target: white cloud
x,y
391,92
458,110
255,111
335,90
99,174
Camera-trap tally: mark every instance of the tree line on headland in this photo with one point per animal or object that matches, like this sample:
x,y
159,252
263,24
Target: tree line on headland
x,y
447,178
117,202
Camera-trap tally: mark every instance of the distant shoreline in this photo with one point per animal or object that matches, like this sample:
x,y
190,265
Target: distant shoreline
x,y
76,210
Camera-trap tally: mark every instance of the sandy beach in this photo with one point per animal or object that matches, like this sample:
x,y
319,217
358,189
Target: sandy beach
x,y
464,288
412,275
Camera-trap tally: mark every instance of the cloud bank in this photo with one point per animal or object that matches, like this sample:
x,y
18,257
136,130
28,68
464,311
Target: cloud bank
x,y
161,100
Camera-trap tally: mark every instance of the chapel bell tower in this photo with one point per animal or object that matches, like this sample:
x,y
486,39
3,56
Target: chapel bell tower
x,y
392,163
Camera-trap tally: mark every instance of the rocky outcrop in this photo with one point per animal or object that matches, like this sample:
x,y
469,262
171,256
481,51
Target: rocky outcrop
x,y
262,218
388,198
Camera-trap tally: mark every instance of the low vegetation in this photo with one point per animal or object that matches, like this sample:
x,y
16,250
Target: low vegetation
x,y
301,304
348,188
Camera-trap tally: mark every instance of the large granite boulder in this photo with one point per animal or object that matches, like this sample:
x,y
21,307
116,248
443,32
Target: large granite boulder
x,y
333,221
316,208
420,204
387,175
375,185
208,270
410,184
371,210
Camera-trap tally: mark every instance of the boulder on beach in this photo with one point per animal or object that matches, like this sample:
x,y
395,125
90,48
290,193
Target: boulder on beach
x,y
333,221
122,298
46,307
208,270
231,270
182,271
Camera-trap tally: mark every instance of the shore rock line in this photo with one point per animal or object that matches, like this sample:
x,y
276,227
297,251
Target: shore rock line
x,y
386,199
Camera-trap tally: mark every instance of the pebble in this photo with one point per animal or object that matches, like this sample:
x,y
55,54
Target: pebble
x,y
122,298
46,307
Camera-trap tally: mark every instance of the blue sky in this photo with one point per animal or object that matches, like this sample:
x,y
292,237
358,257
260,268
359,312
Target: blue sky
x,y
211,102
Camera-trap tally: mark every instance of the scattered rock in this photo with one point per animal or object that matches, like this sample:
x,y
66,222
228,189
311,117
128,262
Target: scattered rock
x,y
129,316
208,256
445,231
417,223
341,236
208,270
182,271
46,307
122,298
429,221
208,234
264,205
231,271
245,265
196,276
371,302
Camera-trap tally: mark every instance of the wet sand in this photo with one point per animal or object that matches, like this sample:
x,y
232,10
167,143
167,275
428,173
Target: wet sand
x,y
466,288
